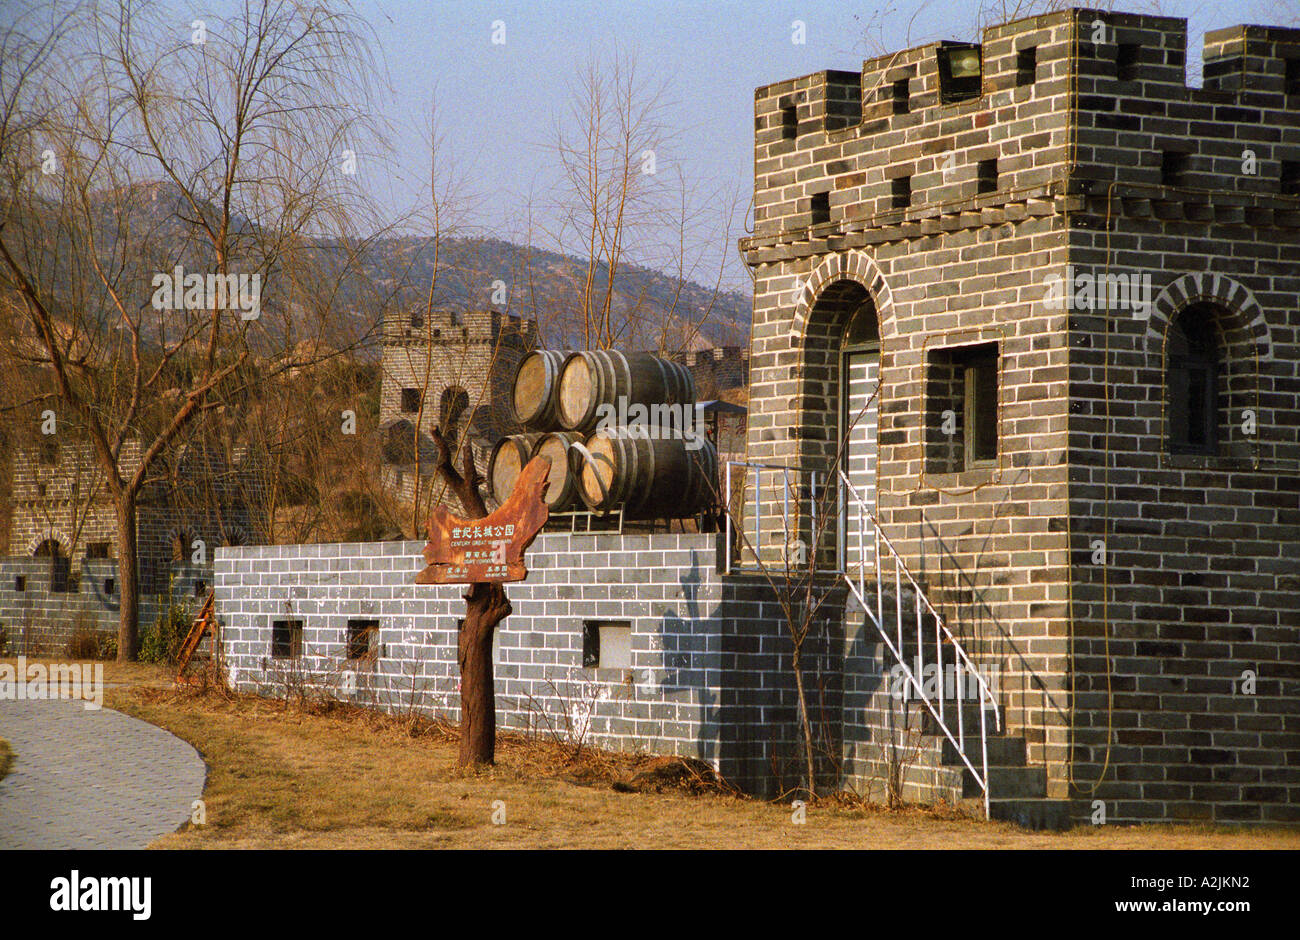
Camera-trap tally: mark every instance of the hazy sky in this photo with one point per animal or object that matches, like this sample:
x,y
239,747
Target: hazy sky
x,y
496,102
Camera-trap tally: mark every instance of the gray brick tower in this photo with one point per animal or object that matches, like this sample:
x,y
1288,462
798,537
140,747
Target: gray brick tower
x,y
1076,279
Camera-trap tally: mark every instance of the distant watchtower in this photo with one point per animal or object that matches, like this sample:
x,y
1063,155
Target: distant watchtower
x,y
449,370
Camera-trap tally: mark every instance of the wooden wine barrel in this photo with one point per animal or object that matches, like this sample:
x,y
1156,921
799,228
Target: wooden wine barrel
x,y
507,462
537,381
562,494
649,479
602,376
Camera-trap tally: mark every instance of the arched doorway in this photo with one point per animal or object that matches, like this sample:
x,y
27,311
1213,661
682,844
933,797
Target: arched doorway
x,y
859,421
840,407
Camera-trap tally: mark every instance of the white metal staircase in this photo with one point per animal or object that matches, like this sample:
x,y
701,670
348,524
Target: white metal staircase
x,y
892,578
879,580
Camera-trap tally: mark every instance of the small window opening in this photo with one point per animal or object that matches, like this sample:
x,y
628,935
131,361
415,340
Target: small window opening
x,y
821,208
961,430
286,639
987,176
1293,76
410,400
1027,65
901,191
901,95
606,644
789,122
20,582
1126,61
1173,167
1193,383
363,640
1290,179
97,550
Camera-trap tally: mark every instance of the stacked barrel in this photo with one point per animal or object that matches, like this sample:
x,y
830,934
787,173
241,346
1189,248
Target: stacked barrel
x,y
600,416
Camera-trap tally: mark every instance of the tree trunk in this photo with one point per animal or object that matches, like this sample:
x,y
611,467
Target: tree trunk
x,y
128,579
805,723
485,607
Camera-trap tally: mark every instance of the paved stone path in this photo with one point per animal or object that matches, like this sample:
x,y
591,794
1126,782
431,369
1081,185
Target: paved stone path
x,y
92,779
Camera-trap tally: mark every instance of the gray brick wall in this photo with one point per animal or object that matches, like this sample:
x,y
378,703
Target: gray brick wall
x,y
709,674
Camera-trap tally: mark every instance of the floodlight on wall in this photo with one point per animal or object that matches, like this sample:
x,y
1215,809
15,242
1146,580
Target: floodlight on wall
x,y
965,63
959,72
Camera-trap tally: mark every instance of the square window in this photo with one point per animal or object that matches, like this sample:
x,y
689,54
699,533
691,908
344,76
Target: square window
x,y
987,176
411,400
900,96
606,644
363,640
417,320
1173,167
1027,65
1126,61
200,588
97,550
49,453
821,208
901,191
20,582
961,427
286,639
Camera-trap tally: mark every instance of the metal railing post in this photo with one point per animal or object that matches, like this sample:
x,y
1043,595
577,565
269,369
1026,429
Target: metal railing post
x,y
726,502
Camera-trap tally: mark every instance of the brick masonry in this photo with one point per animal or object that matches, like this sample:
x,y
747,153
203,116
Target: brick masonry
x,y
709,669
1124,678
59,498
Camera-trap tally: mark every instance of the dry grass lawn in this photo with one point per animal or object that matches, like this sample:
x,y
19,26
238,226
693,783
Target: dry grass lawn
x,y
288,777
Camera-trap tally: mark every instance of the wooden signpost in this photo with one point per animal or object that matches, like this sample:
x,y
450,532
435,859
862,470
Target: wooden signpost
x,y
491,549
485,553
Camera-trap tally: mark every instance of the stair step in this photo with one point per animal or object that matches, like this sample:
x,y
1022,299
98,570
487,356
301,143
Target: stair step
x,y
1039,813
1009,783
1004,751
970,718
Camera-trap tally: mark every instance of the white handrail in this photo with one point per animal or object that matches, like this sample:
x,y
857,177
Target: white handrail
x,y
900,571
846,494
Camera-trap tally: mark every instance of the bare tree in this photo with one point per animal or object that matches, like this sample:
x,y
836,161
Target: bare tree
x,y
128,157
618,201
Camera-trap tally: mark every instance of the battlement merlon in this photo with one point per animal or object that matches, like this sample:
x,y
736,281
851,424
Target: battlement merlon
x,y
449,327
1051,104
825,99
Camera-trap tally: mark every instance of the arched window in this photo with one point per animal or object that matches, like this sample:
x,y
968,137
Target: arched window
x,y
1192,378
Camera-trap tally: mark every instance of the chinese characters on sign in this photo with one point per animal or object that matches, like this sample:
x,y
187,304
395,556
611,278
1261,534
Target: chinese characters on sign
x,y
467,551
